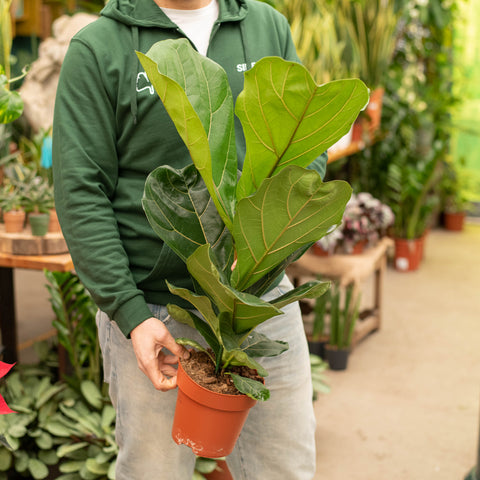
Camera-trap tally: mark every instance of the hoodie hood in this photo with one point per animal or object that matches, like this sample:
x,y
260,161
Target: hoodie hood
x,y
146,13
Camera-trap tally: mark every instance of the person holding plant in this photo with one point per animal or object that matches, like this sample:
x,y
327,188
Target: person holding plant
x,y
110,131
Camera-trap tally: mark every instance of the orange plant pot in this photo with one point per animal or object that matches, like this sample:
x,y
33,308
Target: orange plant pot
x,y
14,221
208,422
454,221
53,224
408,254
374,109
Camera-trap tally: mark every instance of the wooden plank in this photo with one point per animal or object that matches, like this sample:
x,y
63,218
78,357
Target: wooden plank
x,y
61,263
25,243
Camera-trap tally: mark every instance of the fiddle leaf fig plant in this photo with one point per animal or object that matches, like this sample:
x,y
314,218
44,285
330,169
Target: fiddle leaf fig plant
x,y
237,237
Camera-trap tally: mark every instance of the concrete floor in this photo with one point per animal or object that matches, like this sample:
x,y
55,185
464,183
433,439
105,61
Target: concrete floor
x,y
407,407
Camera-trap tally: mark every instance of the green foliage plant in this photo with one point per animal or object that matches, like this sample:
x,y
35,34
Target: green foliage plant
x,y
320,316
11,104
75,323
56,430
368,29
10,199
343,315
237,238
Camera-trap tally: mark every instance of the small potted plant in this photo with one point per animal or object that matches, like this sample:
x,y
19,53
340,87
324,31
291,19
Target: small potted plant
x,y
318,337
12,209
242,233
38,200
459,189
343,316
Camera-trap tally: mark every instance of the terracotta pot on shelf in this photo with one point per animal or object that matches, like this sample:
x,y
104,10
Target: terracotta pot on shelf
x,y
374,110
319,250
53,224
408,254
454,221
208,422
14,221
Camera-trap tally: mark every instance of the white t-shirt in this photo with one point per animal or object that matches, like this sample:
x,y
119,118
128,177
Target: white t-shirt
x,y
196,24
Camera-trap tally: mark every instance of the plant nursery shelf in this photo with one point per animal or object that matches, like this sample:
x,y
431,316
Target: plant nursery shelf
x,y
349,269
26,244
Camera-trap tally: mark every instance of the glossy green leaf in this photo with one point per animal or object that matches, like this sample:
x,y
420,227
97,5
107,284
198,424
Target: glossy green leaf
x,y
197,96
37,468
66,449
289,120
252,388
247,310
290,210
312,289
182,213
200,302
91,393
11,105
259,345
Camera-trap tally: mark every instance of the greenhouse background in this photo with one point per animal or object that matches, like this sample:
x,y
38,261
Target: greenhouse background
x,y
405,403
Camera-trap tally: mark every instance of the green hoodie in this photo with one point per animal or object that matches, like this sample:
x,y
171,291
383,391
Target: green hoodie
x,y
111,130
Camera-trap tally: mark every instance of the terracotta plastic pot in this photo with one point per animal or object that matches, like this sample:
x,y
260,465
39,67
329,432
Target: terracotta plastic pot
x,y
454,221
208,422
320,251
374,109
408,254
53,224
14,221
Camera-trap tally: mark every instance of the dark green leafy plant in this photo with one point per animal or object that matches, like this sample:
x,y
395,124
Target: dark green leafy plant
x,y
55,429
237,239
75,323
343,316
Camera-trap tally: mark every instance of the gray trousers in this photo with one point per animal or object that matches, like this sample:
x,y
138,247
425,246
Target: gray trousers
x,y
277,441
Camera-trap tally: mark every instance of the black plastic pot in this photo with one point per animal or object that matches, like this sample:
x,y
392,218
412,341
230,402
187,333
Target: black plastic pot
x,y
337,358
317,347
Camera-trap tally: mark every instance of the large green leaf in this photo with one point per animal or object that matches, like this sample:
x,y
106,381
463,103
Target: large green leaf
x,y
197,96
252,388
247,310
11,105
287,119
290,210
312,289
182,213
259,345
200,302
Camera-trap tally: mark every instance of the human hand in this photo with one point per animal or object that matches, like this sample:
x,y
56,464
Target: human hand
x,y
148,340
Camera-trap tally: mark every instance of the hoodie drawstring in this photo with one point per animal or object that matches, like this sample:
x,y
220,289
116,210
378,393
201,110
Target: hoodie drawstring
x,y
133,99
244,44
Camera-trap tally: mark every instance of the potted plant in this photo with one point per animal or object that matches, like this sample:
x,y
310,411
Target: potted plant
x,y
343,316
459,189
318,337
13,212
413,200
241,234
368,28
38,201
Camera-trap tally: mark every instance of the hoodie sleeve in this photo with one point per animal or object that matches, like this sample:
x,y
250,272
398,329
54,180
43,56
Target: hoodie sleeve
x,y
85,170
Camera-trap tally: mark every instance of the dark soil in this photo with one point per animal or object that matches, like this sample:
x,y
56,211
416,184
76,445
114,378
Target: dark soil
x,y
201,369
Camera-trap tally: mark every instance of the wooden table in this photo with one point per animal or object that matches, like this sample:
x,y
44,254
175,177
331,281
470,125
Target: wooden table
x,y
349,269
8,324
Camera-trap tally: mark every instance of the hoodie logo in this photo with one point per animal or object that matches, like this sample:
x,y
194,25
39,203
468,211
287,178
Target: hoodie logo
x,y
243,67
143,83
